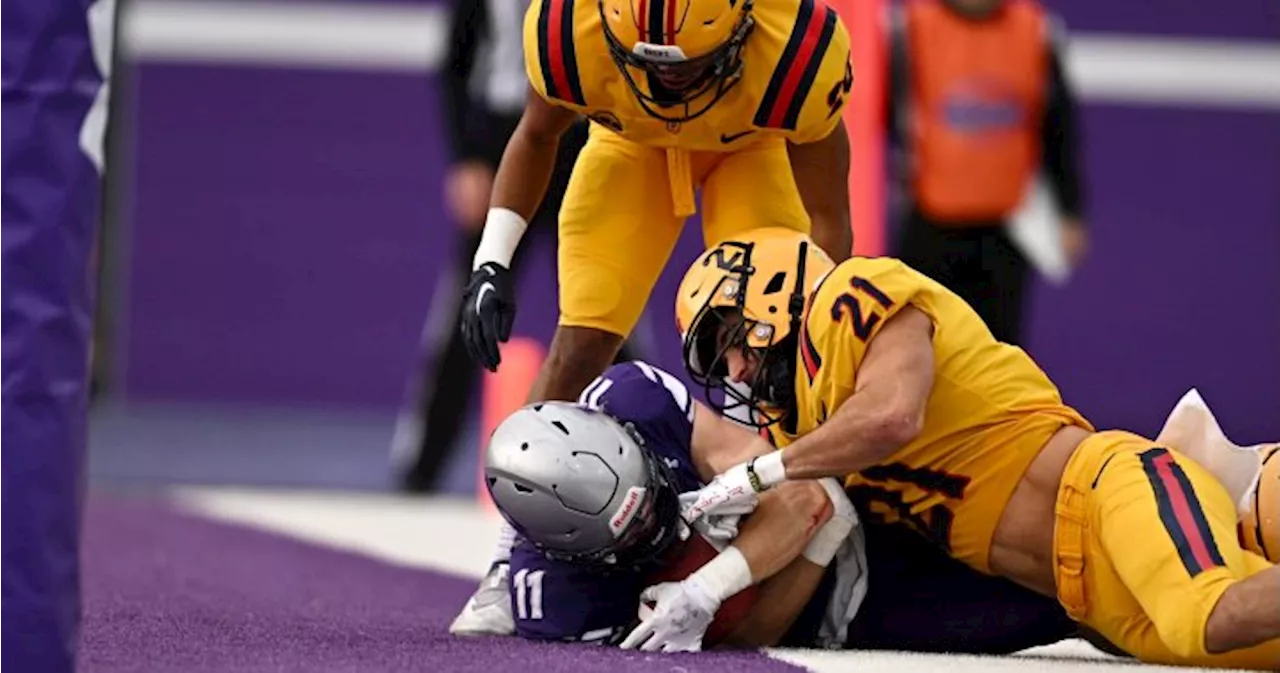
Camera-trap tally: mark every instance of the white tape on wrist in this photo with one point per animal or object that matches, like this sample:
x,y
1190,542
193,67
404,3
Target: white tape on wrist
x,y
826,543
503,229
725,575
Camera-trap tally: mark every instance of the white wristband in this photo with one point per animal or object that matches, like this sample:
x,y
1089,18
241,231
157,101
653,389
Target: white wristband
x,y
826,543
725,575
769,470
503,229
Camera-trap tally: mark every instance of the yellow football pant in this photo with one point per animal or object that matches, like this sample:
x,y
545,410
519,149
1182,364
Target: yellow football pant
x,y
1145,545
619,221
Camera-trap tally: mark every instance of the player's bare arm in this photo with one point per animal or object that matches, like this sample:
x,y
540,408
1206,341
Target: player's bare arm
x,y
886,410
782,525
883,414
529,159
792,535
821,170
783,596
786,542
780,601
489,304
718,443
786,518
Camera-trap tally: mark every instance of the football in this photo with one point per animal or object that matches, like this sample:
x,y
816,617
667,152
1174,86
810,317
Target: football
x,y
693,554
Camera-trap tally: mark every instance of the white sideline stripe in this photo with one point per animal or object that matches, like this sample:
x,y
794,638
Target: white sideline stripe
x,y
458,537
1070,656
407,38
447,535
1138,69
319,35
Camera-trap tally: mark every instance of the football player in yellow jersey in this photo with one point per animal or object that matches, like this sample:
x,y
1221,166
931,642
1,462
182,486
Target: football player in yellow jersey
x,y
871,371
738,99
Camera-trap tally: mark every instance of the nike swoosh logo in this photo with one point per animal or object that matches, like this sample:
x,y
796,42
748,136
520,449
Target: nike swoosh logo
x,y
728,138
484,289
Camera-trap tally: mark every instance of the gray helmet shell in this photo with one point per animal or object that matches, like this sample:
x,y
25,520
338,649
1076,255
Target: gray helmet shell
x,y
568,478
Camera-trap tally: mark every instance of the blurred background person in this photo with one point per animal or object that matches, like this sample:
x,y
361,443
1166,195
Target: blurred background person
x,y
484,89
978,103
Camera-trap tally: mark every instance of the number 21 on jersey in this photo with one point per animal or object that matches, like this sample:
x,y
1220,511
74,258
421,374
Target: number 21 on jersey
x,y
864,323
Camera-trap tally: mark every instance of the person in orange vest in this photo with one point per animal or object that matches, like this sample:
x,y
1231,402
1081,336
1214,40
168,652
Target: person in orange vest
x,y
977,104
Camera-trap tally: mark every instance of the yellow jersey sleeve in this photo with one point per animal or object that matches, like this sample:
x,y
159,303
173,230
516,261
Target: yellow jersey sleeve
x,y
811,82
847,311
550,52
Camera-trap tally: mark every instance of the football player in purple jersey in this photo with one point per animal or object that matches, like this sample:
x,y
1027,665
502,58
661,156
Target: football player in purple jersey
x,y
591,492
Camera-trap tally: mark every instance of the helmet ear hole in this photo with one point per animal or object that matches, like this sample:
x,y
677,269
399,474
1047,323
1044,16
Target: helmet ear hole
x,y
776,283
521,488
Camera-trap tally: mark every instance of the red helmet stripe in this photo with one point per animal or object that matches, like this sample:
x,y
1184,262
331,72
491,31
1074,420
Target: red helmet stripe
x,y
641,19
670,37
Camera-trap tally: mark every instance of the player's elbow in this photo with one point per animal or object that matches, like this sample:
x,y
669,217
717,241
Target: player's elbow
x,y
542,123
898,426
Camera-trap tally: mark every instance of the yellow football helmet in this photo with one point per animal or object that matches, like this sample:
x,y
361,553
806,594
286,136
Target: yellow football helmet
x,y
684,51
1260,525
750,291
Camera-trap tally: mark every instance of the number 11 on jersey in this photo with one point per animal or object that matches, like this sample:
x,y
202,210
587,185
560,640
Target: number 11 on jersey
x,y
528,587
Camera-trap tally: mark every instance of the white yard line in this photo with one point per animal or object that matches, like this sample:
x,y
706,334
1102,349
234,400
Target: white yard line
x,y
1118,68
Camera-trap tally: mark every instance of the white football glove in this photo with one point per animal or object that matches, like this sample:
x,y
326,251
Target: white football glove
x,y
720,528
677,622
729,493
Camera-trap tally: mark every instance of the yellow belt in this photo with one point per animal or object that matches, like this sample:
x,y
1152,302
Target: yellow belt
x,y
681,178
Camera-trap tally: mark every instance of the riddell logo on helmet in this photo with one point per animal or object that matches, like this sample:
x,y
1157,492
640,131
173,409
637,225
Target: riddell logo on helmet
x,y
627,510
659,53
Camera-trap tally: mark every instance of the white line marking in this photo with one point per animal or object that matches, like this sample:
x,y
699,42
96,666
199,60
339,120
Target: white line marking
x,y
406,38
322,35
1133,69
448,535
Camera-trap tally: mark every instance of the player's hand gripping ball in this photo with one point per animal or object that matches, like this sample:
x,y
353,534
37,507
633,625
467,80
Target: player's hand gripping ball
x,y
693,554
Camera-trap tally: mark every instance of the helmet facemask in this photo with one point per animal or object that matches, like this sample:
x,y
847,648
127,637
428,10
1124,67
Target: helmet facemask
x,y
719,328
673,83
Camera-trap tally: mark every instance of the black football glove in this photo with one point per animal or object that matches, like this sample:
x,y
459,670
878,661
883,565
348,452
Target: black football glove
x,y
488,310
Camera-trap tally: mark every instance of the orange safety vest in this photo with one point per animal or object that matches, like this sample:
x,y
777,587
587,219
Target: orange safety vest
x,y
978,91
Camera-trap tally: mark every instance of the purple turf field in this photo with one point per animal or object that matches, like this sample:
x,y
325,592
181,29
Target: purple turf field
x,y
170,592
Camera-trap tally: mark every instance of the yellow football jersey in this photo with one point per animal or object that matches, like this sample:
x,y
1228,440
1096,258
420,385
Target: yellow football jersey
x,y
795,80
990,412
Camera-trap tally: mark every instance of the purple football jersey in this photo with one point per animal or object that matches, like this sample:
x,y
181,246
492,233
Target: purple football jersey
x,y
555,600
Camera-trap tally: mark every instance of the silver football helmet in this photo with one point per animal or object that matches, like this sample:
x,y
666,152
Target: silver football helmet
x,y
581,486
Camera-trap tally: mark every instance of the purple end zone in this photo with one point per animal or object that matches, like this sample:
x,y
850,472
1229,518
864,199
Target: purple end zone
x,y
167,591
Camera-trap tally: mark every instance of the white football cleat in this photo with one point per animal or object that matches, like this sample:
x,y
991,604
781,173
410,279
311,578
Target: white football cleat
x,y
488,611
